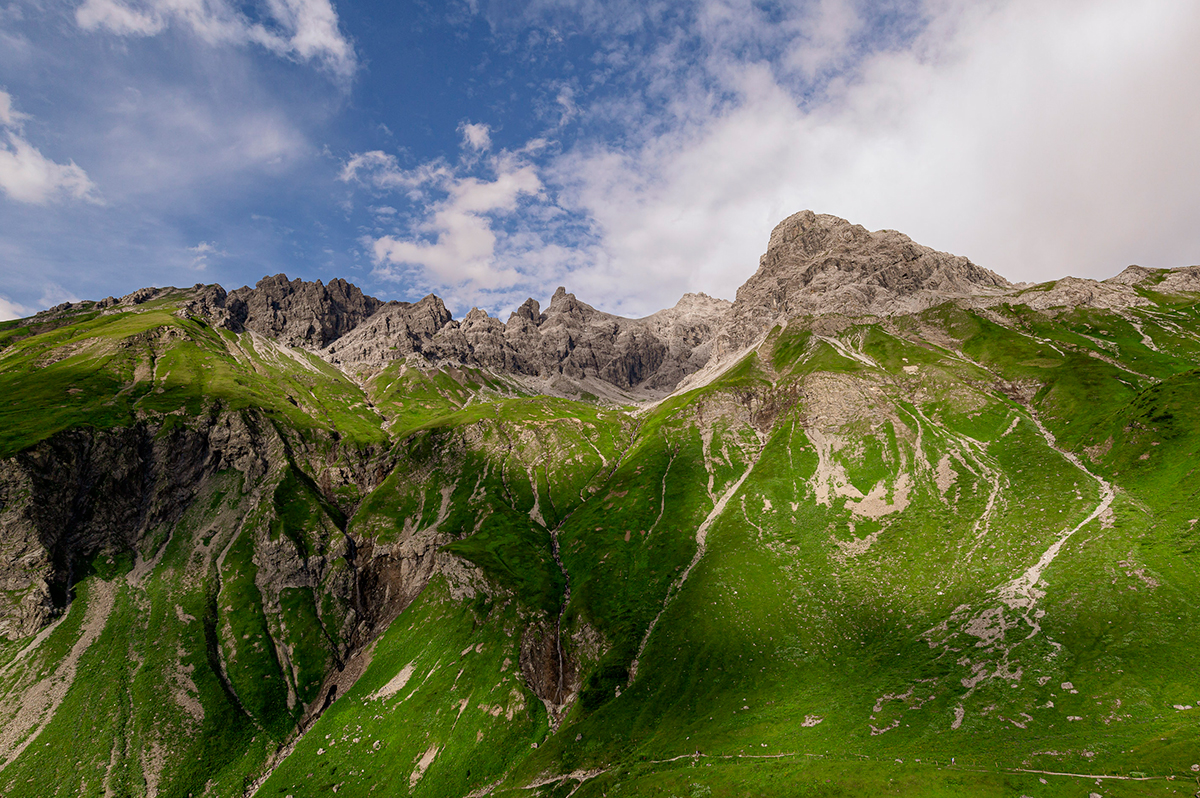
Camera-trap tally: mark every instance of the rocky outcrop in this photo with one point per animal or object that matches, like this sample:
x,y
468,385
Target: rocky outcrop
x,y
570,341
1074,292
299,313
549,670
86,493
1133,275
85,496
1185,280
396,330
817,264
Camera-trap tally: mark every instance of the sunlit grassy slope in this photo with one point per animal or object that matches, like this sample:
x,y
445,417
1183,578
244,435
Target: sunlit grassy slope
x,y
944,554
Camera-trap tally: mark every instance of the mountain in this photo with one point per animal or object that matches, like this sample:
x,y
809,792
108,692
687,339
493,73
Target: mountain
x,y
886,523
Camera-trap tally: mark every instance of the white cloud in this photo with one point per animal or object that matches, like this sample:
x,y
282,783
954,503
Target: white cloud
x,y
566,102
202,252
304,29
477,137
118,18
28,176
461,235
55,294
382,171
1038,138
823,37
171,140
10,310
9,116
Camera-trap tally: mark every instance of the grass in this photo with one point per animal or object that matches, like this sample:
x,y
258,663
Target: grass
x,y
847,638
112,370
463,698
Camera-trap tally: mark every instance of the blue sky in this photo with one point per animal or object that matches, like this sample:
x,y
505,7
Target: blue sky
x,y
632,151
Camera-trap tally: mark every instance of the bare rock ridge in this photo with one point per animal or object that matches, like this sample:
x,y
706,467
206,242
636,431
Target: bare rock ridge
x,y
571,346
570,340
815,264
297,313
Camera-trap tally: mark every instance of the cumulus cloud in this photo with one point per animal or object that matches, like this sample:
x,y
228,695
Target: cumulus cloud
x,y
458,241
26,175
1038,138
10,310
307,30
476,137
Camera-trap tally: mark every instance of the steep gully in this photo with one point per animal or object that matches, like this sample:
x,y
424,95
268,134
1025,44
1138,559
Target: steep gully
x,y
560,698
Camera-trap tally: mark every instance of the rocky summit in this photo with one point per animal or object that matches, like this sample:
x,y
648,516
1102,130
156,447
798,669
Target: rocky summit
x,y
884,524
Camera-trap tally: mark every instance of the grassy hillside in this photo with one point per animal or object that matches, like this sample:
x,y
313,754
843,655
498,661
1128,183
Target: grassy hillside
x,y
942,554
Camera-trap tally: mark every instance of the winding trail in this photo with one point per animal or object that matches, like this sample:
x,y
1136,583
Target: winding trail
x,y
662,505
582,777
1022,594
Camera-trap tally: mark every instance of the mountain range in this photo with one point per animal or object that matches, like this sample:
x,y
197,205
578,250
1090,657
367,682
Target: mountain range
x,y
886,523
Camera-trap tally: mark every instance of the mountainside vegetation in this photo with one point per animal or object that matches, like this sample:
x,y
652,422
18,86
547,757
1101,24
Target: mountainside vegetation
x,y
938,537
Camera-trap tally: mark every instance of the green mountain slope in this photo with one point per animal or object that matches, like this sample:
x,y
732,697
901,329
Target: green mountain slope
x,y
940,552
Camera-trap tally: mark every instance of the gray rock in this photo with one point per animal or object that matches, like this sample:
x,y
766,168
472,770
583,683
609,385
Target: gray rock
x,y
817,264
299,313
814,265
393,332
570,340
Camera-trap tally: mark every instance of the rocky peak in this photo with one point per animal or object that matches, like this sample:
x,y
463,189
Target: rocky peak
x,y
824,253
817,264
530,311
396,330
1133,275
428,315
565,304
814,265
299,313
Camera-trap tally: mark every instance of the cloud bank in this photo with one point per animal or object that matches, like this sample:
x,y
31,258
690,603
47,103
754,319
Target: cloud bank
x,y
1038,138
26,175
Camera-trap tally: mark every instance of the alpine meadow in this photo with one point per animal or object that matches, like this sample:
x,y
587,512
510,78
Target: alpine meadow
x,y
886,524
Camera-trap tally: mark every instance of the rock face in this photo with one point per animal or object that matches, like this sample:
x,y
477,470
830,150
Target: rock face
x,y
84,494
297,313
395,331
570,340
817,264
